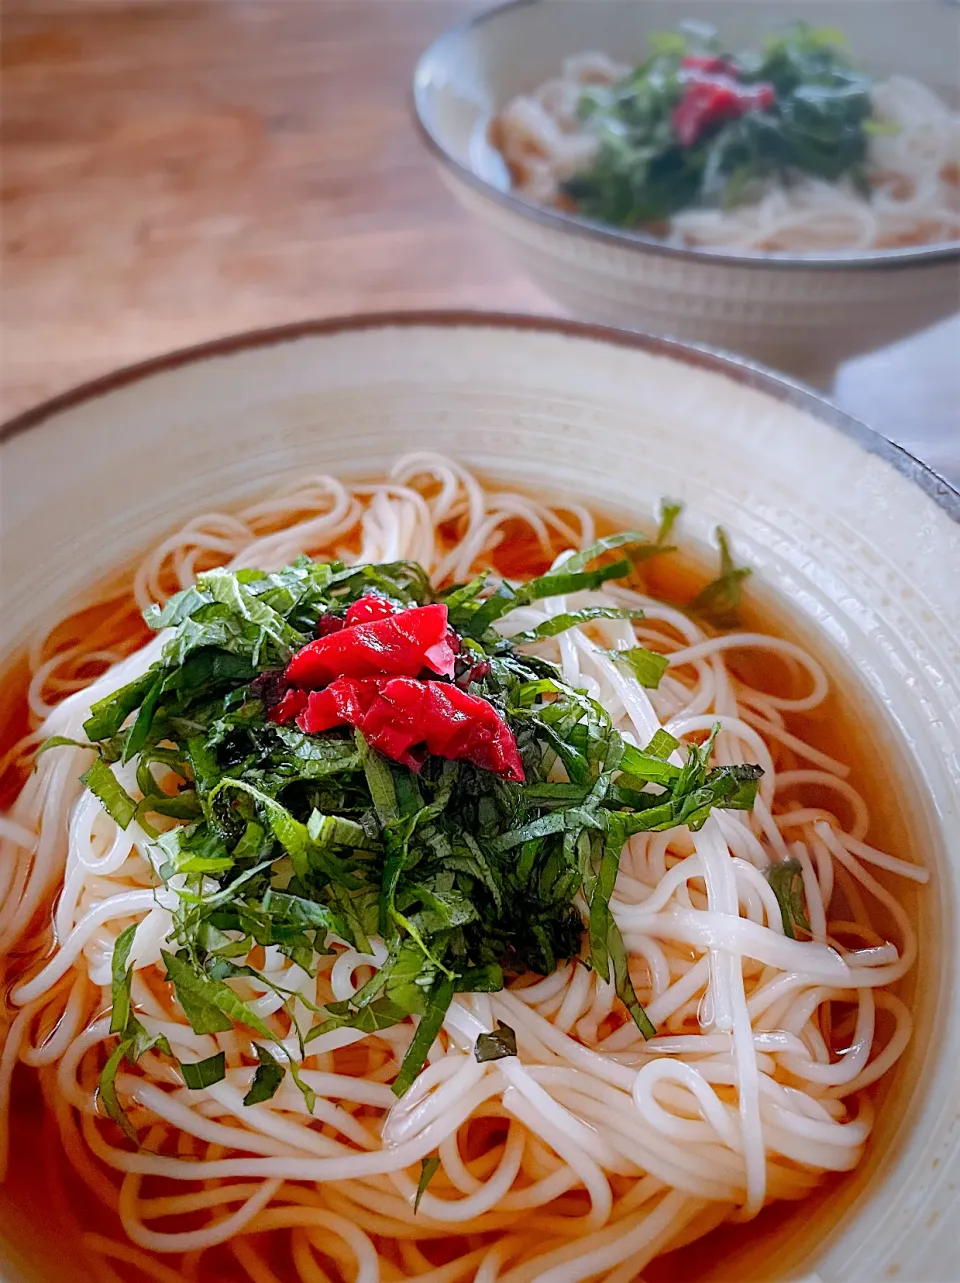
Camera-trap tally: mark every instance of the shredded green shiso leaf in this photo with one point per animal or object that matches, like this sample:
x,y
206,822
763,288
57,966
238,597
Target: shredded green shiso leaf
x,y
496,1045
819,123
718,603
786,880
278,838
428,1169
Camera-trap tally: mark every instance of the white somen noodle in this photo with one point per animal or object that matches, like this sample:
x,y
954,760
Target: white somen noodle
x,y
593,1150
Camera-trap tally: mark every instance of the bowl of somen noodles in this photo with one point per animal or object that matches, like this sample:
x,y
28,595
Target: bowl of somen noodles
x,y
782,181
479,803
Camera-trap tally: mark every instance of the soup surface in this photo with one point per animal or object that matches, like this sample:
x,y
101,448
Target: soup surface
x,y
770,947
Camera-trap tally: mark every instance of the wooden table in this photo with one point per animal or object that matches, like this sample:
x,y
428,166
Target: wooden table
x,y
174,170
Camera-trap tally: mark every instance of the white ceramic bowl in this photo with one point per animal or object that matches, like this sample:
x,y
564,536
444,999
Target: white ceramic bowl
x,y
804,314
856,541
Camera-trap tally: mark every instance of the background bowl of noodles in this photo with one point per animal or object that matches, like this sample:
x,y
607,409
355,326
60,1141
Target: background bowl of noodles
x,y
853,548
803,312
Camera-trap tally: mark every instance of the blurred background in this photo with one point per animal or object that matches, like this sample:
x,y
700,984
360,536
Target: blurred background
x,y
176,170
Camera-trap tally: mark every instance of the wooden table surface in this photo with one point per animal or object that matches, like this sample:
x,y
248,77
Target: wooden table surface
x,y
174,170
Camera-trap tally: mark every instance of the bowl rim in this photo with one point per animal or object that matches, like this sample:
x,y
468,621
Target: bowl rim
x,y
588,229
739,369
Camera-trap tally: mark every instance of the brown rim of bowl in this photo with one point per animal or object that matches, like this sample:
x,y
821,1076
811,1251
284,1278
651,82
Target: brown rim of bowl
x,y
740,370
938,252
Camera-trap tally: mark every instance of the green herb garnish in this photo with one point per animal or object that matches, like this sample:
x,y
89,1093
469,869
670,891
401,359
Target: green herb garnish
x,y
670,510
122,980
267,1079
204,1073
110,793
428,1169
134,1042
274,837
719,601
497,1045
646,665
786,881
812,116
